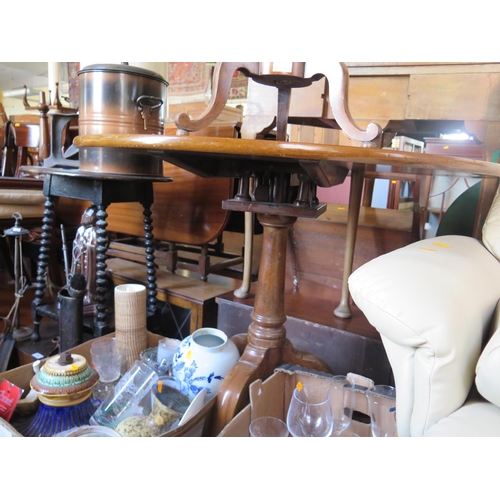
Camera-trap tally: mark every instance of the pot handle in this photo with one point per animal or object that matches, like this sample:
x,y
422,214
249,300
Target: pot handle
x,y
146,104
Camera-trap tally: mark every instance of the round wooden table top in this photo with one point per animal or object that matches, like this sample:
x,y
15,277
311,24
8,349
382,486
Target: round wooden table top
x,y
228,157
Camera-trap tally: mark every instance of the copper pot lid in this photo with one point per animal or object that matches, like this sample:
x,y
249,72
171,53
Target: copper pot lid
x,y
123,68
64,375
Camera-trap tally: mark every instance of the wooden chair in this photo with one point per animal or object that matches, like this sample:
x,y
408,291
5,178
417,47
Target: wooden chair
x,y
20,147
4,120
187,216
24,136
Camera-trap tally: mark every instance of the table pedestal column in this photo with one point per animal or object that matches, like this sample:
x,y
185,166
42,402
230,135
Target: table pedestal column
x,y
266,344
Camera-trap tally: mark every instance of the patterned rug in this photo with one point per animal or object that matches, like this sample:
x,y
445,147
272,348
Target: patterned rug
x,y
74,98
239,86
187,79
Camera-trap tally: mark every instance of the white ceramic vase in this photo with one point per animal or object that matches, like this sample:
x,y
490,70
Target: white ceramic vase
x,y
203,360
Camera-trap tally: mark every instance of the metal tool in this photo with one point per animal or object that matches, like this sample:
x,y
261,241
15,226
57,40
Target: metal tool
x,y
12,330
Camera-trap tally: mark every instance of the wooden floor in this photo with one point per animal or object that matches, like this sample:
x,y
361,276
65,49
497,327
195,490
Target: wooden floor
x,y
315,303
345,345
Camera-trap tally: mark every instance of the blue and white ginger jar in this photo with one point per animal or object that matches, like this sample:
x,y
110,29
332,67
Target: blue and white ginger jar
x,y
203,360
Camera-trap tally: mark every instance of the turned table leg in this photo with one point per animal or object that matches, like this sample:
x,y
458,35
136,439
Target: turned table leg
x,y
150,259
102,285
344,309
42,267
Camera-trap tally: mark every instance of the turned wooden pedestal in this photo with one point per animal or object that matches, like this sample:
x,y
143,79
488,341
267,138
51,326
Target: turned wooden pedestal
x,y
265,346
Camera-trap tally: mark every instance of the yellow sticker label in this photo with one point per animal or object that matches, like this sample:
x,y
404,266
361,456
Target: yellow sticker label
x,y
299,386
444,245
428,249
160,385
340,208
189,354
74,367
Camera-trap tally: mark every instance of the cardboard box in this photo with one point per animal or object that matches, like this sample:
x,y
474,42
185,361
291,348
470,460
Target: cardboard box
x,y
197,426
272,398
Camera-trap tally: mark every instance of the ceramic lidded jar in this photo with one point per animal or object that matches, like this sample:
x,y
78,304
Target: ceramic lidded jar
x,y
203,360
64,380
64,385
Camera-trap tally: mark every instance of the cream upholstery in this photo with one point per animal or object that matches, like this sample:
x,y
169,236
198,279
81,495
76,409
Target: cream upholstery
x,y
474,418
433,303
491,227
488,366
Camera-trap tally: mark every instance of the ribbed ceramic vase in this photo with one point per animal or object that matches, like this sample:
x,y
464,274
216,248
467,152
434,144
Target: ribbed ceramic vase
x,y
130,321
203,360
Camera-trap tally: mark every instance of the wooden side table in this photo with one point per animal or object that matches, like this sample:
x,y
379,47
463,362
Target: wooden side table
x,y
101,190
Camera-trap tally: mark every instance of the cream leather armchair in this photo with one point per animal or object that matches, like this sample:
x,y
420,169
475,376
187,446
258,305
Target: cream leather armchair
x,y
435,305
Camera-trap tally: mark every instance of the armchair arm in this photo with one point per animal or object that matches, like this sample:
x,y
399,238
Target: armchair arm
x,y
432,303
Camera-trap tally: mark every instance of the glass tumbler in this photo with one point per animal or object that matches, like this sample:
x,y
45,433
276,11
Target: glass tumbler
x,y
342,401
382,403
125,400
268,427
106,359
108,363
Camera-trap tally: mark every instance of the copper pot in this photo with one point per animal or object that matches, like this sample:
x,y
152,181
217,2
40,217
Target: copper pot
x,y
120,99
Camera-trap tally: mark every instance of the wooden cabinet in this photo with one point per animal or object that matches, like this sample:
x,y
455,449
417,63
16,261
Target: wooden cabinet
x,y
458,148
403,194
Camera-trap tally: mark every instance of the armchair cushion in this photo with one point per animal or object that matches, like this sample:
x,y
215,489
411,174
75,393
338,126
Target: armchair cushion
x,y
491,227
432,303
488,366
475,418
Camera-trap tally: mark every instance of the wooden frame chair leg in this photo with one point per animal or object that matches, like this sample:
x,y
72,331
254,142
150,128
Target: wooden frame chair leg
x,y
344,309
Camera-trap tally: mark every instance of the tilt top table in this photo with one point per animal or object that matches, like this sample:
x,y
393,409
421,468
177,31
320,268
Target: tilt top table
x,y
285,178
